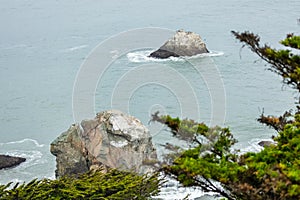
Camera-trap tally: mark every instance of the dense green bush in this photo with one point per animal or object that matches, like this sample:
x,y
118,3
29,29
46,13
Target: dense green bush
x,y
93,185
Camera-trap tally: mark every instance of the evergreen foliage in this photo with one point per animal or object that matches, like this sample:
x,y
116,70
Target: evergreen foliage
x,y
212,164
273,173
93,185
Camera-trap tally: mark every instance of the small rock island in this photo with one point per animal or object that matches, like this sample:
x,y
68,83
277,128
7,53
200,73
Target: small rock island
x,y
181,44
112,139
7,161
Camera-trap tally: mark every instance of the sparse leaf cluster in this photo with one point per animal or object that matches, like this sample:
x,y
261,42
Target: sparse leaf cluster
x,y
283,62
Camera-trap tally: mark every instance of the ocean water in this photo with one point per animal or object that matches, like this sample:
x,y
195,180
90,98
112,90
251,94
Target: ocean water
x,y
44,45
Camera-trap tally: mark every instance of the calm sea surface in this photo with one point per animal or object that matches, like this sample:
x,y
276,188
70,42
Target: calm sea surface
x,y
44,43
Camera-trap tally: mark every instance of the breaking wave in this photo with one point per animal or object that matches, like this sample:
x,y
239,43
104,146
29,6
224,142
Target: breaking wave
x,y
26,140
38,164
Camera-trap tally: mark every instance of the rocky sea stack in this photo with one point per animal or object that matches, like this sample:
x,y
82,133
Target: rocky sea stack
x,y
111,140
181,44
10,161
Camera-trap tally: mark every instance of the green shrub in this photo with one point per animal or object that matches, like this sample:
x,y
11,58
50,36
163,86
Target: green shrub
x,y
93,185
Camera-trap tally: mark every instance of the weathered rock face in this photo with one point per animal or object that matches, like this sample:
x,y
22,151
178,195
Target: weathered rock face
x,y
111,140
10,161
182,44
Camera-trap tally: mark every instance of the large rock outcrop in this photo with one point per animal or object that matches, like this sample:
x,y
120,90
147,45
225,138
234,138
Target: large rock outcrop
x,y
182,44
111,140
7,161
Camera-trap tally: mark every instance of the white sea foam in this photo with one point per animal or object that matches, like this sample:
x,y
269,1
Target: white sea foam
x,y
253,146
16,46
172,189
71,49
114,54
30,149
143,56
36,165
26,140
210,54
32,157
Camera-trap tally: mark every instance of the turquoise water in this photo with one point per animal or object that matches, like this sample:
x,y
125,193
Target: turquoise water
x,y
44,43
